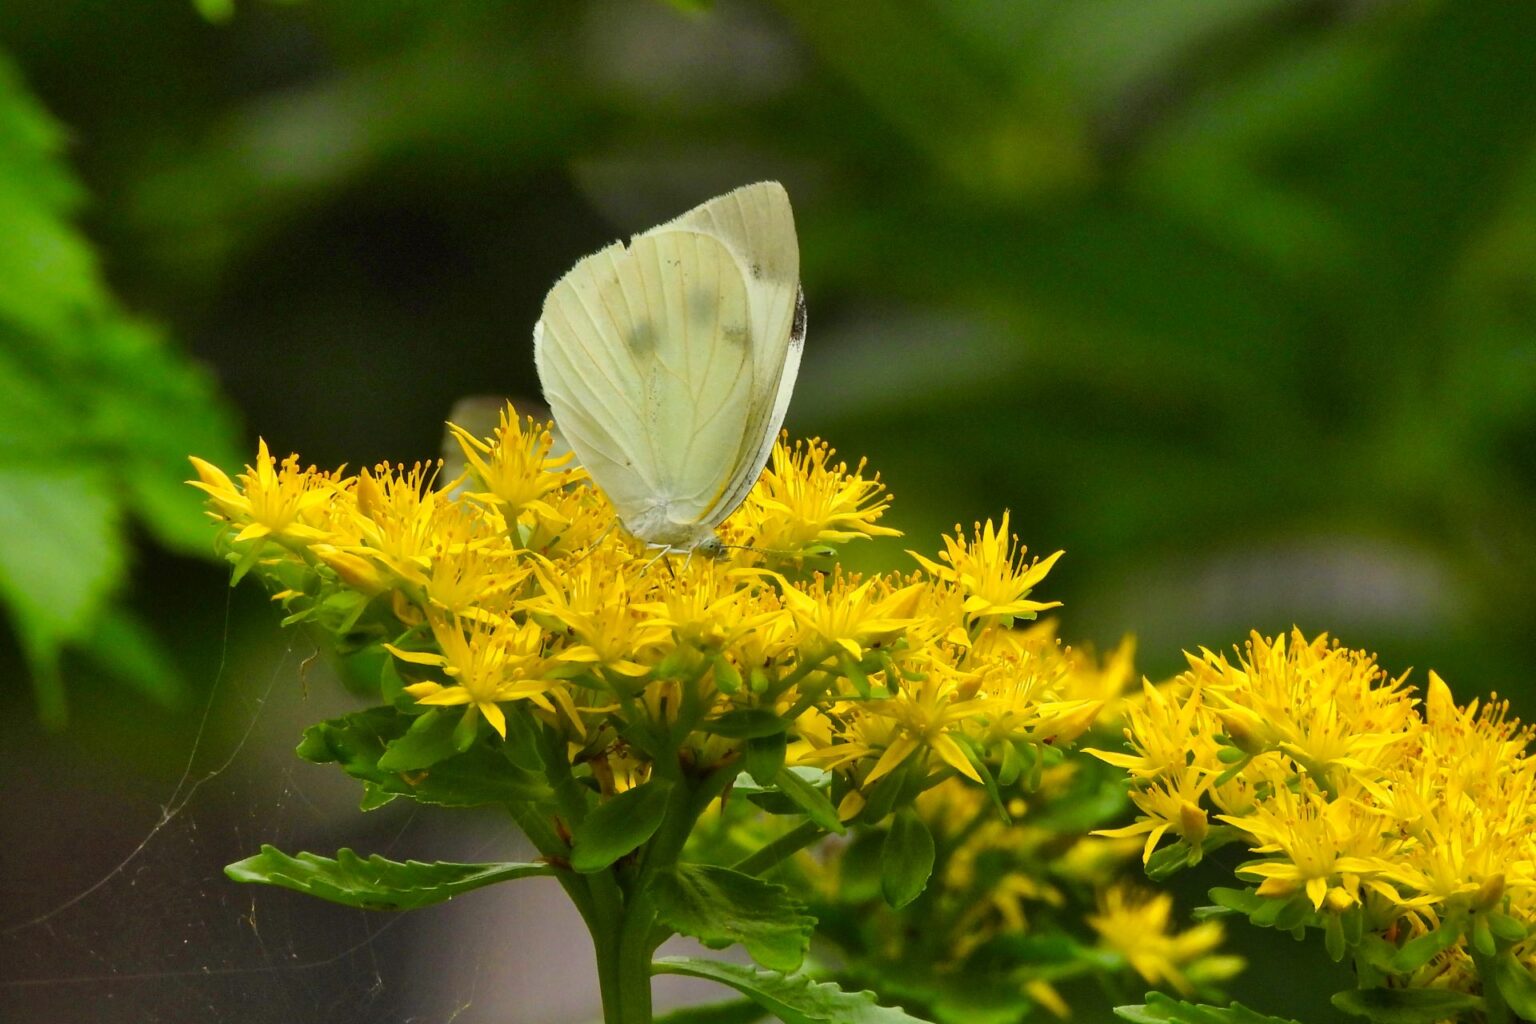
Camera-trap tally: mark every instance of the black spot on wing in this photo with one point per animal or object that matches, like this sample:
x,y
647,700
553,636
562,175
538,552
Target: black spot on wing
x,y
702,305
642,338
797,326
737,335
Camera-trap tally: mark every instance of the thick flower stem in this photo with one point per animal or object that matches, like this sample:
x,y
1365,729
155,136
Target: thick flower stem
x,y
626,934
624,984
1495,1009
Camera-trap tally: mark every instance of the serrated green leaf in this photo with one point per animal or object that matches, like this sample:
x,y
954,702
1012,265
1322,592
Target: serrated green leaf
x,y
374,883
906,859
730,1011
1162,1009
619,826
1405,1005
721,907
810,800
793,998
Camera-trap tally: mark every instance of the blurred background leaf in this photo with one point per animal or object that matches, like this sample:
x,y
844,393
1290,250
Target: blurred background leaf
x,y
96,415
1234,300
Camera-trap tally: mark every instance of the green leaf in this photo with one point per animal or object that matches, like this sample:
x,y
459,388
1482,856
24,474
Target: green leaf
x,y
765,757
730,1011
478,776
1168,861
793,998
1516,986
216,11
430,739
721,907
1405,1005
619,826
1505,927
123,646
374,883
1162,1009
906,859
809,799
61,555
746,723
1415,953
1243,901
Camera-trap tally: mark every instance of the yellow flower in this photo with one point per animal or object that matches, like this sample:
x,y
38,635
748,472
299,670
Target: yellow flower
x,y
1137,925
804,502
521,586
281,502
518,469
849,613
990,571
489,664
593,604
1327,848
1169,802
395,517
1168,725
924,714
1329,709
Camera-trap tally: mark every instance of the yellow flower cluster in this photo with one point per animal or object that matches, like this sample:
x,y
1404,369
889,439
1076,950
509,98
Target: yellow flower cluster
x,y
514,585
1009,883
1374,814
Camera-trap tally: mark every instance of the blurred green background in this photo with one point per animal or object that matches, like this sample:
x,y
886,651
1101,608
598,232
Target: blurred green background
x,y
1234,300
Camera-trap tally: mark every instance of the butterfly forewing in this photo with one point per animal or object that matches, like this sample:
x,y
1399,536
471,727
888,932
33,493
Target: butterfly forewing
x,y
645,354
668,364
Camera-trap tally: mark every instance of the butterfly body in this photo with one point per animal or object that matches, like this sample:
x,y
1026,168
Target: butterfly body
x,y
668,363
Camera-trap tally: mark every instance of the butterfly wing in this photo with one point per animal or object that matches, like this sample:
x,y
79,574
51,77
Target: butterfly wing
x,y
668,363
756,223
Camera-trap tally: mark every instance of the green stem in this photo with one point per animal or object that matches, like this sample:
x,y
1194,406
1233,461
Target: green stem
x,y
1495,1009
639,934
791,842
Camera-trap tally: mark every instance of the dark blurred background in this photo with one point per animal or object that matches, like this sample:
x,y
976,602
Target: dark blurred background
x,y
1231,299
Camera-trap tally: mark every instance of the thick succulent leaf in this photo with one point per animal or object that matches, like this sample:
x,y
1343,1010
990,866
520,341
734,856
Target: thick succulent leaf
x,y
811,801
619,826
906,859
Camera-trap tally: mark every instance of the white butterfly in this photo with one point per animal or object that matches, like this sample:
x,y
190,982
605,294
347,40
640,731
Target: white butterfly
x,y
669,364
